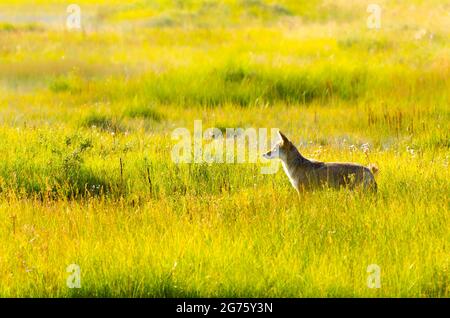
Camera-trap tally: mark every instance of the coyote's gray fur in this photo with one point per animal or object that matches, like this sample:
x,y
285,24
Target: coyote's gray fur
x,y
307,174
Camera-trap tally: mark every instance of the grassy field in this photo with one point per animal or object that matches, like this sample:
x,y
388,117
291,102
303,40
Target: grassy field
x,y
86,175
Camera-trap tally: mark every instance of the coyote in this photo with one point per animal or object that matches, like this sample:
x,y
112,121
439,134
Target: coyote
x,y
307,174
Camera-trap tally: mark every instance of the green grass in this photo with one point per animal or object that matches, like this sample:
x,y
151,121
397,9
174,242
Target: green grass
x,y
86,175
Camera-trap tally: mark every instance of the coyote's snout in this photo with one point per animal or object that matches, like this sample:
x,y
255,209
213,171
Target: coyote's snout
x,y
307,174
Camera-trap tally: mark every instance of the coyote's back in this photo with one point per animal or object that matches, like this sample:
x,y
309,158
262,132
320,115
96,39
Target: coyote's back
x,y
335,174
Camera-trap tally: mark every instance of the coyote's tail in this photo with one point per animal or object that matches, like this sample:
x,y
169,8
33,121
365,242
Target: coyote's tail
x,y
373,167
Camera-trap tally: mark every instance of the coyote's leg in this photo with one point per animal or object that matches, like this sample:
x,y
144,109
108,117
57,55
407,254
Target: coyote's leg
x,y
369,183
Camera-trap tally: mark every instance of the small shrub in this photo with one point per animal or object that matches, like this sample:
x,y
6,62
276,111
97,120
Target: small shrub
x,y
103,122
143,111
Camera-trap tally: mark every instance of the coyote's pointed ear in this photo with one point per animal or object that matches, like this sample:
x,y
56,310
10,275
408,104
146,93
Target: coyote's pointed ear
x,y
283,137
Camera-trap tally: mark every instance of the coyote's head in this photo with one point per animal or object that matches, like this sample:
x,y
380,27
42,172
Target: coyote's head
x,y
280,150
